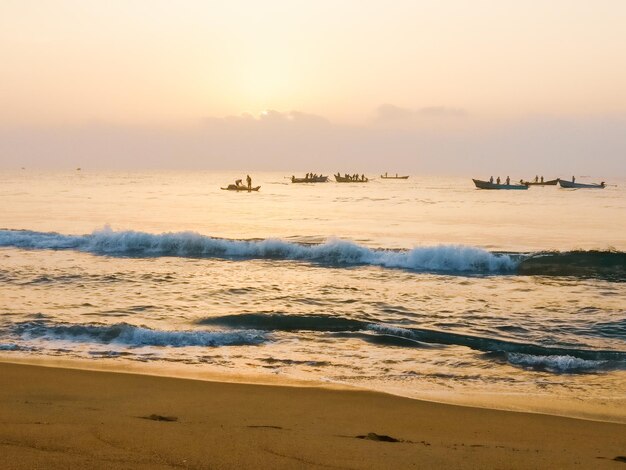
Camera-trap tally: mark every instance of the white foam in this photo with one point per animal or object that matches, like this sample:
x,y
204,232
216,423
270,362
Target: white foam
x,y
390,330
444,258
136,336
555,363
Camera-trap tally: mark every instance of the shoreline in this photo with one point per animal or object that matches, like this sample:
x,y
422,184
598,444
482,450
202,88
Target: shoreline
x,y
611,410
59,418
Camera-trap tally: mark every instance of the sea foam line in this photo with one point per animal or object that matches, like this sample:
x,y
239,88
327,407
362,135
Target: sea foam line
x,y
442,258
134,336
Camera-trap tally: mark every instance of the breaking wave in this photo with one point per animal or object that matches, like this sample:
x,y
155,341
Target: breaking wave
x,y
557,364
459,259
555,359
444,258
134,336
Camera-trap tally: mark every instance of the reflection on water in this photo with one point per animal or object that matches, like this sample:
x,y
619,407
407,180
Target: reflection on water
x,y
483,318
390,214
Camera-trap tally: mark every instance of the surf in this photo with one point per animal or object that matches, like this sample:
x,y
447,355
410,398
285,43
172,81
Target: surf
x,y
452,259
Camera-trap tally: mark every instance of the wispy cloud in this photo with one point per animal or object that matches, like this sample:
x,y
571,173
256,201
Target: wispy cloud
x,y
297,140
390,113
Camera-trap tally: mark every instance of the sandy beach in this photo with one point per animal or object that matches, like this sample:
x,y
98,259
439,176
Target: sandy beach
x,y
65,418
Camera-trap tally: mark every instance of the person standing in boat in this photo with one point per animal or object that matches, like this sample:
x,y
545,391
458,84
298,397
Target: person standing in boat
x,y
498,180
573,179
491,179
537,179
508,180
249,181
542,178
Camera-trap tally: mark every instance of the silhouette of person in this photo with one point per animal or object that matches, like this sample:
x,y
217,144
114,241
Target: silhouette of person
x,y
249,181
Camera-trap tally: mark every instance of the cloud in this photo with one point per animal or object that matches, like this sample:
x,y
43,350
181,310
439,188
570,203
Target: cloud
x,y
441,111
297,141
270,119
392,114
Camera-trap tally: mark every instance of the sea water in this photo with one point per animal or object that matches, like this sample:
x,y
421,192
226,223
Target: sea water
x,y
423,287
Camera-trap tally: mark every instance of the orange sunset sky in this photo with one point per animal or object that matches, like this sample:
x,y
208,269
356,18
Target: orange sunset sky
x,y
438,85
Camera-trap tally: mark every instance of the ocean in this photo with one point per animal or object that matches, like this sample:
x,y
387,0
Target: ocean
x,y
426,287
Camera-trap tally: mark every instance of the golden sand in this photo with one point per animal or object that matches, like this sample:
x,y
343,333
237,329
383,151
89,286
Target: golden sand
x,y
64,418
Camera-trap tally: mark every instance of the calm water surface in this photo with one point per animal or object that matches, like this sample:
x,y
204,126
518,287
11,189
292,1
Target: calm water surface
x,y
417,287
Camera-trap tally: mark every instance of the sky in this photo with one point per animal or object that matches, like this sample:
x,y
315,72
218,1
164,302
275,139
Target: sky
x,y
439,86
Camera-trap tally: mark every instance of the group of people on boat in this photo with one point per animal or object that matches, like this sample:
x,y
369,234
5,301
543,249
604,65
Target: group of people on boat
x,y
508,180
309,177
248,185
506,184
355,177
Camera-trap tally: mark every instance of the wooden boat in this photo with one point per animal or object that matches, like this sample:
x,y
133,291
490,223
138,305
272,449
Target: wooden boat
x,y
544,183
487,185
317,179
572,185
235,187
385,177
343,179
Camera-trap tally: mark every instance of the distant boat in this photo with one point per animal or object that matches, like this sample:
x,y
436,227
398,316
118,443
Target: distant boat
x,y
385,177
317,179
343,179
571,185
542,183
487,185
236,187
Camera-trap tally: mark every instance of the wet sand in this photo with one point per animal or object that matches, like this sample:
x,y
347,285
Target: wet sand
x,y
66,418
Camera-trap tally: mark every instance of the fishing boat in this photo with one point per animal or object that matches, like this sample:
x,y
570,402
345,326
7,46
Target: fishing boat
x,y
385,177
237,187
542,183
487,185
316,179
572,185
349,179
